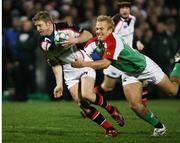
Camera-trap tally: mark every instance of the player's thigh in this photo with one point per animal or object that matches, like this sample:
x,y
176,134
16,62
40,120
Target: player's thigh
x,y
74,92
87,87
133,92
108,83
167,86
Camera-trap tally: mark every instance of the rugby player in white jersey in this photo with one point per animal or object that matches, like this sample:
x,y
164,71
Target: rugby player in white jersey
x,y
80,81
134,67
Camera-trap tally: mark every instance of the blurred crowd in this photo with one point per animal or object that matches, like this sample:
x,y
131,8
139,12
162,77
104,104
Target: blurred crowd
x,y
25,72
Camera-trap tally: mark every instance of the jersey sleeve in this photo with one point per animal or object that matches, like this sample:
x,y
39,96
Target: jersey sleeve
x,y
110,49
116,18
114,46
77,29
90,46
71,30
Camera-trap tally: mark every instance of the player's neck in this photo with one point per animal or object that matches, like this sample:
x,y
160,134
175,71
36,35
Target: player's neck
x,y
124,18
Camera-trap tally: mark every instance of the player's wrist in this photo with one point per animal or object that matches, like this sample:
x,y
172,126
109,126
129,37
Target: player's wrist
x,y
59,83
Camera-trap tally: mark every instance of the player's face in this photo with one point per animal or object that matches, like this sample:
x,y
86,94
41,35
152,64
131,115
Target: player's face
x,y
43,27
102,30
124,11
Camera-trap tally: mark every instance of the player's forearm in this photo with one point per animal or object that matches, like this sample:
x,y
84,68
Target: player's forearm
x,y
97,65
57,70
84,37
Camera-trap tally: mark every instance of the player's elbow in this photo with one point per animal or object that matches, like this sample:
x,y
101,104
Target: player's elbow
x,y
104,66
101,66
105,63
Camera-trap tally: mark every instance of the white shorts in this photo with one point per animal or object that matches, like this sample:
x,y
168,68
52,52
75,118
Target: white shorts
x,y
112,72
72,75
152,73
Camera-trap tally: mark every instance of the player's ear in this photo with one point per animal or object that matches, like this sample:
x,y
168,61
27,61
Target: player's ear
x,y
48,23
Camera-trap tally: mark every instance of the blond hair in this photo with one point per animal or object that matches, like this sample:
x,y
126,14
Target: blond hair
x,y
42,15
108,20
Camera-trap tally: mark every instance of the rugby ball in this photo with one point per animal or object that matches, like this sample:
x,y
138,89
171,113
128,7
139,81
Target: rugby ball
x,y
60,37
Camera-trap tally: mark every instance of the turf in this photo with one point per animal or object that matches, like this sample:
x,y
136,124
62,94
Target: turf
x,y
61,122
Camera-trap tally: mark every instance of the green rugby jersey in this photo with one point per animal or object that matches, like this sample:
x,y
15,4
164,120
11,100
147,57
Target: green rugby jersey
x,y
123,57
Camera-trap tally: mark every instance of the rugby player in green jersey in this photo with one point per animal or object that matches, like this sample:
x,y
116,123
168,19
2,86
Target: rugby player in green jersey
x,y
134,67
124,26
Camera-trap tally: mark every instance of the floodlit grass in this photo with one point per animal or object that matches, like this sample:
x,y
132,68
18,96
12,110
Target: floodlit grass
x,y
61,122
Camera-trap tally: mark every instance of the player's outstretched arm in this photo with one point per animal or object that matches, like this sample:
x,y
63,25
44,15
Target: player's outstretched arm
x,y
97,65
83,37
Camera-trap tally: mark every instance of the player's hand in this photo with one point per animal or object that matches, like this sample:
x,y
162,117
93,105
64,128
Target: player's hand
x,y
58,91
78,63
69,42
140,45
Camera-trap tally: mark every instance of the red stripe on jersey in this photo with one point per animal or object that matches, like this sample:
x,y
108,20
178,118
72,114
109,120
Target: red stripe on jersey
x,y
91,41
111,46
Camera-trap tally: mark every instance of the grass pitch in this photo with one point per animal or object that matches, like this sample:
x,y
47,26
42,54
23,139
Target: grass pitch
x,y
61,122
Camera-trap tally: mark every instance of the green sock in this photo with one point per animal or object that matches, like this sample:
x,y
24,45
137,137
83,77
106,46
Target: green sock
x,y
175,74
150,118
176,71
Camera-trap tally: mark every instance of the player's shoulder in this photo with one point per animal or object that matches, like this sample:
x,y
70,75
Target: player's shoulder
x,y
116,18
92,40
61,25
65,26
132,17
114,38
42,38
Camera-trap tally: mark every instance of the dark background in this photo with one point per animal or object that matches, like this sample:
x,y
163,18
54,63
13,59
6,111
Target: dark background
x,y
24,70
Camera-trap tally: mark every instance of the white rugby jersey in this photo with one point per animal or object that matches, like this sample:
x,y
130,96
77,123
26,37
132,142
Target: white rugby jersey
x,y
61,55
125,28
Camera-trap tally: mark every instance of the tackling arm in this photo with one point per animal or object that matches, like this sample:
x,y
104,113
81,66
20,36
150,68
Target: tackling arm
x,y
84,36
97,65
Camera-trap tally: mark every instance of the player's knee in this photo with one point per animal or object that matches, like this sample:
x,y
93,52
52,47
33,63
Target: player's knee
x,y
145,83
135,106
88,96
76,99
172,93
